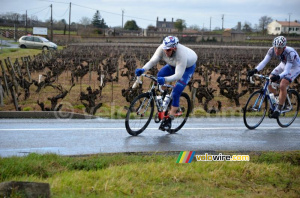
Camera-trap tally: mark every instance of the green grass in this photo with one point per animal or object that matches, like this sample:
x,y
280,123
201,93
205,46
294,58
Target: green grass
x,y
267,174
14,53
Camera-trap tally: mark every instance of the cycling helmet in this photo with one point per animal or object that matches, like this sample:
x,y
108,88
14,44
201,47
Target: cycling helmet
x,y
170,42
279,42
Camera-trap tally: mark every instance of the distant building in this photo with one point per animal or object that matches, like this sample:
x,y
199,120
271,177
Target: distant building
x,y
283,27
165,26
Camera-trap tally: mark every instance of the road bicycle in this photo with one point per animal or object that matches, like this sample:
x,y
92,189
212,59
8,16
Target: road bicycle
x,y
141,109
257,106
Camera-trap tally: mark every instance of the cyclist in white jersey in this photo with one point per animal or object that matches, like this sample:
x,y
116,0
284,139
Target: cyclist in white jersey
x,y
180,67
287,70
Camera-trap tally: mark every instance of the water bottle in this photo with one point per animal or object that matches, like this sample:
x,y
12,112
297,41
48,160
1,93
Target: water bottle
x,y
277,99
166,102
159,99
272,97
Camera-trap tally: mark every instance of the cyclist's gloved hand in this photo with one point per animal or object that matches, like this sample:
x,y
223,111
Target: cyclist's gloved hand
x,y
275,78
161,80
252,72
139,71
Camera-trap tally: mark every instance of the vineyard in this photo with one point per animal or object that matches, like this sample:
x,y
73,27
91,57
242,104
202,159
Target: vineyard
x,y
97,79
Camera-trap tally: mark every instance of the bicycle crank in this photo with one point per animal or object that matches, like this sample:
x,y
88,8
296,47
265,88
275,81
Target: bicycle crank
x,y
270,112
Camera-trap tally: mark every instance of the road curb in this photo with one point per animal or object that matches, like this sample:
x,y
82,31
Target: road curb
x,y
44,114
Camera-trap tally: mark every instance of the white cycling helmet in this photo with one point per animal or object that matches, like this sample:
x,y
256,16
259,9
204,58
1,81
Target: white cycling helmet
x,y
279,41
170,42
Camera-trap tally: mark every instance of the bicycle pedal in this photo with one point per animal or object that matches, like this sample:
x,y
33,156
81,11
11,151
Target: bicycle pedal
x,y
161,128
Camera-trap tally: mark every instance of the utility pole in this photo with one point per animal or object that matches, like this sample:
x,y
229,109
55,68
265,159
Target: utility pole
x,y
222,21
70,22
26,23
122,18
51,25
210,24
289,23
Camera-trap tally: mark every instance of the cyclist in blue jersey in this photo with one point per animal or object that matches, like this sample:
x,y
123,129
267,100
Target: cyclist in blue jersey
x,y
287,70
180,67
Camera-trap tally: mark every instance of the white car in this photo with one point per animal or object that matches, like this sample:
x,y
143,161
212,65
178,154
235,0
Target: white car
x,y
37,42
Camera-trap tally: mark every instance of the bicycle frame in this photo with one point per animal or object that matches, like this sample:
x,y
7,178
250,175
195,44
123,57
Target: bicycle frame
x,y
151,91
264,92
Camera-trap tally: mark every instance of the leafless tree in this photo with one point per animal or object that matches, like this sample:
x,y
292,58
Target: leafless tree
x,y
85,21
263,23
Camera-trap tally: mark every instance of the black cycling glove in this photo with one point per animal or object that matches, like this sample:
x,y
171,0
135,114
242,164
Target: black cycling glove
x,y
252,72
275,78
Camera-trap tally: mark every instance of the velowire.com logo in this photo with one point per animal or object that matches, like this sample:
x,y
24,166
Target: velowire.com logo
x,y
187,157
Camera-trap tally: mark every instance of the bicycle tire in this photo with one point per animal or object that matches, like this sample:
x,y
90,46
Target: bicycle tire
x,y
253,118
135,123
186,106
286,119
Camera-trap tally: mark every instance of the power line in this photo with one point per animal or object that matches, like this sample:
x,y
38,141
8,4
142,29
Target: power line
x,y
34,8
47,13
55,1
112,12
63,13
99,10
41,10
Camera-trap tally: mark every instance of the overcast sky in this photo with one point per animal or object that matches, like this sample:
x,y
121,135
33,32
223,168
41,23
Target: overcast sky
x,y
145,12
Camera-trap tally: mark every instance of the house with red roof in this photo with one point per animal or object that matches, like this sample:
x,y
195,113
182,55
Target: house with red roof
x,y
284,27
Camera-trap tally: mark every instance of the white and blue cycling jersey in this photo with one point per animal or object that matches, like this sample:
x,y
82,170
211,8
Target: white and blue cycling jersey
x,y
180,67
289,66
182,58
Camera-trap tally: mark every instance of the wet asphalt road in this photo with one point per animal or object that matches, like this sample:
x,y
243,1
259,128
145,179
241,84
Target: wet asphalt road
x,y
90,136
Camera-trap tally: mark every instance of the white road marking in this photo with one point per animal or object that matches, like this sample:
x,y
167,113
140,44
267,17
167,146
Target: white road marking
x,y
122,128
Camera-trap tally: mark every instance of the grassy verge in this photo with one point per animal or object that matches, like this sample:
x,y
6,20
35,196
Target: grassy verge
x,y
267,174
14,53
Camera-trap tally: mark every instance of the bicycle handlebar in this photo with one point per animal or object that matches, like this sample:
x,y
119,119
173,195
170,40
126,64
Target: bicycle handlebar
x,y
138,81
260,76
273,84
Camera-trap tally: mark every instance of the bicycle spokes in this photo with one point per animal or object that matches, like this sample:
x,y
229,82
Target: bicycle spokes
x,y
255,110
139,114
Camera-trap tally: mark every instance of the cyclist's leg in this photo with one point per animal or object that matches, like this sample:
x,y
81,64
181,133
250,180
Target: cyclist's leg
x,y
166,70
179,87
285,82
283,90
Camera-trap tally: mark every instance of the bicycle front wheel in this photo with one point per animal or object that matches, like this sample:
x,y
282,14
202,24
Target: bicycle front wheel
x,y
182,114
255,110
139,114
289,110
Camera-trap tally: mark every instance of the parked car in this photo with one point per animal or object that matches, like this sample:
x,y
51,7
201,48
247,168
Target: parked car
x,y
37,42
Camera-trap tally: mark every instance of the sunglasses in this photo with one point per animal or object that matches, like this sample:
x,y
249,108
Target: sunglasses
x,y
168,50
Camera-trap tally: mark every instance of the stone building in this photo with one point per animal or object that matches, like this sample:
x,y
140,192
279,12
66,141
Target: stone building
x,y
165,26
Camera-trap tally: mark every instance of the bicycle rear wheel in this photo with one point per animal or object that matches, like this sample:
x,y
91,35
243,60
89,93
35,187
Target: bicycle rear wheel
x,y
290,109
182,114
255,110
139,114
